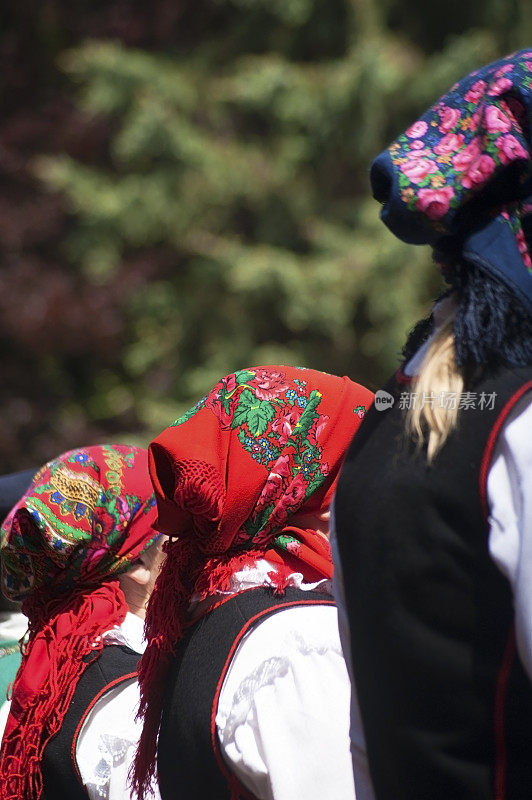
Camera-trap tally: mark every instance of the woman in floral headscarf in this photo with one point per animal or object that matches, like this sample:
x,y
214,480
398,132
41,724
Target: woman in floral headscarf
x,y
438,573
80,552
241,627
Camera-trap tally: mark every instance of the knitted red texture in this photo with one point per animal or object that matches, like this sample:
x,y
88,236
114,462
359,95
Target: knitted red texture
x,y
198,494
166,612
199,489
61,635
185,574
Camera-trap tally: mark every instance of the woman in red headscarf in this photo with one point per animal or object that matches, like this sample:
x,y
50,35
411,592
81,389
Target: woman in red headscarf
x,y
243,651
80,552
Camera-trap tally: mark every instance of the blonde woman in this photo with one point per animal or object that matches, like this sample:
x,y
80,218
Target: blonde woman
x,y
434,504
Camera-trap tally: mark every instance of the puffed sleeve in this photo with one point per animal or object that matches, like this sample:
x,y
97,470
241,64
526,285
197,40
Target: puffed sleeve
x,y
509,490
283,712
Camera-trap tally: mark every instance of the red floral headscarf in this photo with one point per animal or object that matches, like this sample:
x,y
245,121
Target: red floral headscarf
x,y
264,445
86,518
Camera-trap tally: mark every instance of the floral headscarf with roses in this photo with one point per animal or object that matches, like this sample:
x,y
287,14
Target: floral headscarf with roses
x,y
231,477
460,178
86,518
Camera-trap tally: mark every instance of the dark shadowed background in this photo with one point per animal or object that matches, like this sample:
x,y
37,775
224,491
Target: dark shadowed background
x,y
184,192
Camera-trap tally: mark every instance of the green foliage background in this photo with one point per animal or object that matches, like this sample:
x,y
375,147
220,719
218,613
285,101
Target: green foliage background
x,y
225,209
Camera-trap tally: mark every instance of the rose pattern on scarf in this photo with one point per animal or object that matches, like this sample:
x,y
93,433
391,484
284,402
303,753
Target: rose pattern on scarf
x,y
103,525
464,142
272,414
289,543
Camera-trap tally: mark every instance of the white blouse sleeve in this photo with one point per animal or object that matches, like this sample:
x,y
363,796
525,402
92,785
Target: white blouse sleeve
x,y
108,739
509,490
283,712
107,743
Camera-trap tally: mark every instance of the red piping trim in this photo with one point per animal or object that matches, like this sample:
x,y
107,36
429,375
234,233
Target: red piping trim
x,y
492,439
91,705
400,376
238,791
501,760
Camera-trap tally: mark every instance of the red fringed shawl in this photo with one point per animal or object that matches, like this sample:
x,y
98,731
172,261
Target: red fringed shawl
x,y
265,445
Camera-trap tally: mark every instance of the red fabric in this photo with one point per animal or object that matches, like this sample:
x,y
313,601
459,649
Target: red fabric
x,y
266,444
64,568
50,670
312,554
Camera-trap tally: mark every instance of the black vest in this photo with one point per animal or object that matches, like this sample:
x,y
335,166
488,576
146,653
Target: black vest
x,y
189,760
446,706
61,777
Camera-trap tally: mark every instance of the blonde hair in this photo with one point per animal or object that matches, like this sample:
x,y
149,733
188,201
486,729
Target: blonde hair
x,y
436,391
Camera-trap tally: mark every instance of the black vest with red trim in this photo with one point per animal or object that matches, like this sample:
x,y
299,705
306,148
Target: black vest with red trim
x,y
61,778
446,705
189,761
